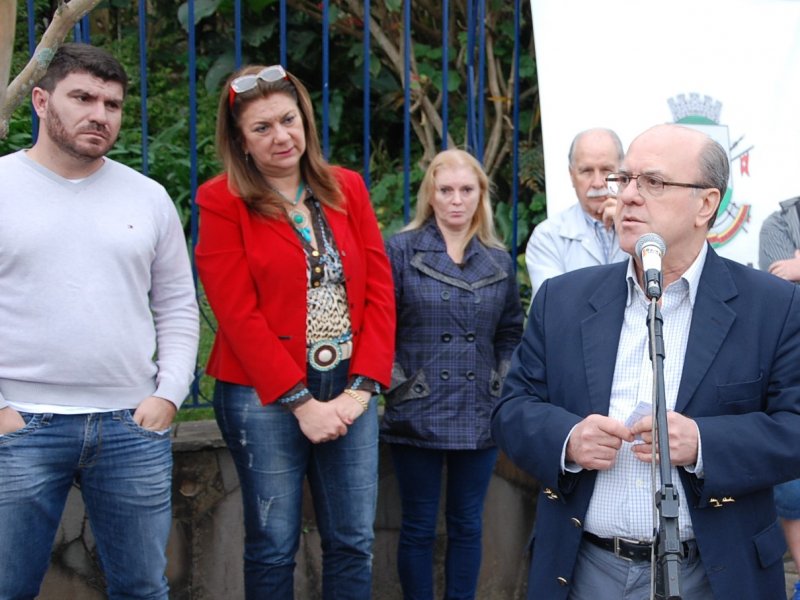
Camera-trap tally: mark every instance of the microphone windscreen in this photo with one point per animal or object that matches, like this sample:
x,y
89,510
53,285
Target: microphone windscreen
x,y
651,239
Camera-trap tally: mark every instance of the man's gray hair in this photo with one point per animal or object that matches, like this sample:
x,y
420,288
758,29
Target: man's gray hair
x,y
714,170
611,133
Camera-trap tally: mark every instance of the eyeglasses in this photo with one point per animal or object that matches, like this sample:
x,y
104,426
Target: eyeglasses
x,y
650,185
245,83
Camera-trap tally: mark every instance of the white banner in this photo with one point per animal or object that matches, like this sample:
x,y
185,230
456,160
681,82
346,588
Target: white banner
x,y
731,67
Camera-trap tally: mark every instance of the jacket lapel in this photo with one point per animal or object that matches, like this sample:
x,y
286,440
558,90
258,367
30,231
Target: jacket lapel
x,y
431,258
600,334
712,319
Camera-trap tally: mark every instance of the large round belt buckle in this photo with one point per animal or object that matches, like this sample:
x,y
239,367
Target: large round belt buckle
x,y
324,355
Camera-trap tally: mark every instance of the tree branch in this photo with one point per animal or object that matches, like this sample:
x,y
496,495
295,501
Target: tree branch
x,y
8,23
65,17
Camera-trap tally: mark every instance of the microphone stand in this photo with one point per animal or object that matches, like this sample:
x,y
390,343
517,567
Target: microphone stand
x,y
668,544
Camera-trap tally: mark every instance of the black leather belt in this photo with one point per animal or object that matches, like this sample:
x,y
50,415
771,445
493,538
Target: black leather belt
x,y
628,549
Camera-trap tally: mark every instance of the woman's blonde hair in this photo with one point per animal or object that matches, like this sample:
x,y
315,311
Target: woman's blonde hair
x,y
482,221
244,178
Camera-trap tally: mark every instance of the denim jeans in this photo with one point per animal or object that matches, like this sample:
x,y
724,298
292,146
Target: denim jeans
x,y
273,457
787,499
419,475
125,476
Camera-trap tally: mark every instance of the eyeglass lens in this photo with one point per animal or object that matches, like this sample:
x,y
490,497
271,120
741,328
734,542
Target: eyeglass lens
x,y
650,184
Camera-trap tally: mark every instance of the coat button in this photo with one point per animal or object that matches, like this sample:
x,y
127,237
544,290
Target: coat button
x,y
577,522
470,337
562,580
446,337
471,375
445,374
550,494
445,295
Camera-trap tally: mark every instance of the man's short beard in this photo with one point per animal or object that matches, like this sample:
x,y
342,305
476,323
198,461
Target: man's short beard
x,y
58,134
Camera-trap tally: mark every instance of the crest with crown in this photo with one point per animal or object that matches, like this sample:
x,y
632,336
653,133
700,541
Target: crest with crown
x,y
694,108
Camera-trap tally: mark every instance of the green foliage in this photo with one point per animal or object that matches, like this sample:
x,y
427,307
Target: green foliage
x,y
202,9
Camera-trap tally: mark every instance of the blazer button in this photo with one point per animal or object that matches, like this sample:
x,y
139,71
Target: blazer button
x,y
445,374
470,375
445,295
446,337
470,337
550,494
577,522
562,581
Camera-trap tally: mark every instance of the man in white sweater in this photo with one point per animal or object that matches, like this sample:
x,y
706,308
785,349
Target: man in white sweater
x,y
98,336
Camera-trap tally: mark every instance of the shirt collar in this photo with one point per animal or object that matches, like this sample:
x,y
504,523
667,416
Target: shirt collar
x,y
589,220
691,276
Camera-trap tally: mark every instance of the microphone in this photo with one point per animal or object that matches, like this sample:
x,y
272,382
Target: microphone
x,y
651,249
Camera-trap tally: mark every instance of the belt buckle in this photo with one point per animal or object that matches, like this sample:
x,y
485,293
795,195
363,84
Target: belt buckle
x,y
325,355
617,547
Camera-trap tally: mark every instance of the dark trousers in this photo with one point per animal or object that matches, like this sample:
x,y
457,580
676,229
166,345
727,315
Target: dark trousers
x,y
419,473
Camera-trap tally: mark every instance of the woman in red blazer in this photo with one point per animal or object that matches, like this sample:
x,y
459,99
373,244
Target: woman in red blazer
x,y
292,262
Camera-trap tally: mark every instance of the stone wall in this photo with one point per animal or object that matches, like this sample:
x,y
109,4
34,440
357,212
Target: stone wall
x,y
205,548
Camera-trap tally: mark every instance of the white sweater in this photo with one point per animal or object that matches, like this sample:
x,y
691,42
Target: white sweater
x,y
97,303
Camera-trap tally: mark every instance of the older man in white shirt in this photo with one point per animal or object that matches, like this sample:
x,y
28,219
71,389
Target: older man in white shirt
x,y
583,235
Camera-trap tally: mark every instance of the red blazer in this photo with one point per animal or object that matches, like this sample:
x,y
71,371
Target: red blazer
x,y
253,270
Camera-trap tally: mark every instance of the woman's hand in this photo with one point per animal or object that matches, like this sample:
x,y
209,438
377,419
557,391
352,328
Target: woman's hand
x,y
351,404
320,421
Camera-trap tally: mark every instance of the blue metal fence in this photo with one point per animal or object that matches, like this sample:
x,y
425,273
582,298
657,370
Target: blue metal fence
x,y
476,50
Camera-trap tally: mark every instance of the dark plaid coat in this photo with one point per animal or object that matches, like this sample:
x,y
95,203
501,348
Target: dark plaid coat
x,y
457,327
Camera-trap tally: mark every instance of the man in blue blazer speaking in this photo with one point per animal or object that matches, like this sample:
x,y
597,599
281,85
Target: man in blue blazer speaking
x,y
575,411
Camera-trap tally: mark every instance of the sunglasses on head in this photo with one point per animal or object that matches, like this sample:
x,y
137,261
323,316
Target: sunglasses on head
x,y
245,83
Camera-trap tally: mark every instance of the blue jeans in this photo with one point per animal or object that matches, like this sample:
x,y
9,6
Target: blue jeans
x,y
273,457
787,499
125,476
419,474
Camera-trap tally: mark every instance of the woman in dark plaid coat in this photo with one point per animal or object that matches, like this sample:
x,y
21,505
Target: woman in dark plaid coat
x,y
459,319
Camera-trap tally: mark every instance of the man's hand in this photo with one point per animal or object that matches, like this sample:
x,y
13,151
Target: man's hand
x,y
607,211
683,439
155,414
320,421
788,269
10,420
595,441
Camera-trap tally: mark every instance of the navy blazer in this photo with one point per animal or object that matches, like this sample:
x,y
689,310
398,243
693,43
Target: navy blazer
x,y
740,383
457,327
